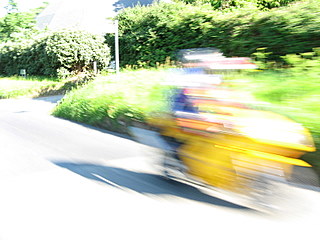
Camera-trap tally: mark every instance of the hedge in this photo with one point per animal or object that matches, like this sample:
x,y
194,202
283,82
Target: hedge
x,y
151,34
58,53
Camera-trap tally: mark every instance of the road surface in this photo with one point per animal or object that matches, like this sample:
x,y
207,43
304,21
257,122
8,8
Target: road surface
x,y
61,180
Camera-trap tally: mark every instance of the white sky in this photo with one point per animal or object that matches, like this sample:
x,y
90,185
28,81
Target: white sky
x,y
23,5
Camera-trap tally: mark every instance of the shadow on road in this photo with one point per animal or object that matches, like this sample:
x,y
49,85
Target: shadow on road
x,y
121,4
50,99
143,183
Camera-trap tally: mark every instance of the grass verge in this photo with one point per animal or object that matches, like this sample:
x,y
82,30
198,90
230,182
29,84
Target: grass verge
x,y
15,87
114,101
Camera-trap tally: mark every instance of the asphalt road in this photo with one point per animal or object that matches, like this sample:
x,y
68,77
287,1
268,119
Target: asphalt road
x,y
63,180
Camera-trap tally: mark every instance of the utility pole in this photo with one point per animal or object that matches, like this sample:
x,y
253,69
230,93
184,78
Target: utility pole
x,y
116,43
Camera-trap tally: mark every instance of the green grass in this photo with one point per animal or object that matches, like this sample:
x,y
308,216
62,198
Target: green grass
x,y
294,95
13,87
33,78
114,101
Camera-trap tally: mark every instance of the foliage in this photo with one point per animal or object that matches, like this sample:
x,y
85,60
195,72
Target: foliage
x,y
227,4
269,4
221,4
287,86
261,58
60,53
12,6
113,102
151,34
304,62
16,25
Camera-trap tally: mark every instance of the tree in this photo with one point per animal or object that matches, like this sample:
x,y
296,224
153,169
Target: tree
x,y
12,6
15,24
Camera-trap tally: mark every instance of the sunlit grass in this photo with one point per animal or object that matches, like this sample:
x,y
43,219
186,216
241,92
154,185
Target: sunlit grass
x,y
32,78
113,100
18,87
295,95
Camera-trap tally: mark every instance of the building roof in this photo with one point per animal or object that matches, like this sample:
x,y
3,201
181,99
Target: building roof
x,y
88,15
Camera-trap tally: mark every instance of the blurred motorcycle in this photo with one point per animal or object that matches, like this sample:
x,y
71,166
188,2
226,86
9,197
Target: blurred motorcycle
x,y
232,151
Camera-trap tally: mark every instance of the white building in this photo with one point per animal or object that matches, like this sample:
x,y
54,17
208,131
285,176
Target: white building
x,y
90,15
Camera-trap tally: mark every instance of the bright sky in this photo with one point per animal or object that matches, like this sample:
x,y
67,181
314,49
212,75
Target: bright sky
x,y
23,5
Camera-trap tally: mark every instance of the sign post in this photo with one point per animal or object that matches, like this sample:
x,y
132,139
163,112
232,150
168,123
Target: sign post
x,y
23,72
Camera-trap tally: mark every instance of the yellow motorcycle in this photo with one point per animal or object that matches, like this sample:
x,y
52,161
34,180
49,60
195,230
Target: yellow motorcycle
x,y
235,152
240,154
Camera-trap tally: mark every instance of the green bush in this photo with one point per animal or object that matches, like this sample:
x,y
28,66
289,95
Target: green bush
x,y
222,4
59,54
269,4
148,35
151,34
